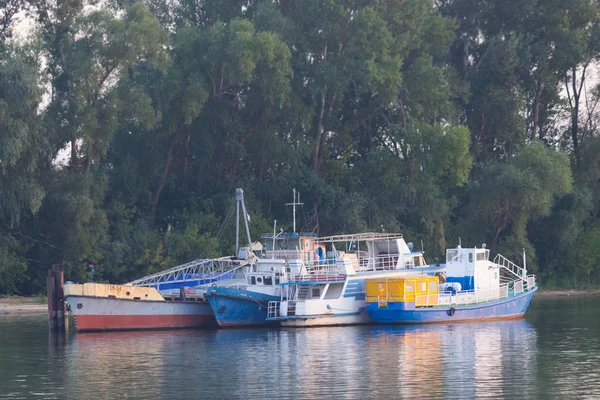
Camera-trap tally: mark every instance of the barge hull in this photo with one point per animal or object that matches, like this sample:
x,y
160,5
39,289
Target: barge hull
x,y
105,314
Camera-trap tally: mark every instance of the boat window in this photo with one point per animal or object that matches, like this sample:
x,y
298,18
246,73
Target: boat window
x,y
432,286
470,257
334,291
452,254
316,293
409,288
253,280
277,281
268,280
422,286
259,280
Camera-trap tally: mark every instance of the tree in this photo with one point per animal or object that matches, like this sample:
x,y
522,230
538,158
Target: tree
x,y
524,188
21,145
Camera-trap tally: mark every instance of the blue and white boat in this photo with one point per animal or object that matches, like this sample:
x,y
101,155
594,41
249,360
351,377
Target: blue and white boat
x,y
247,304
331,291
475,288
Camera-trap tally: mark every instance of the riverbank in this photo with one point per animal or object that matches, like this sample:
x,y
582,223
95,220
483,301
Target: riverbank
x,y
23,305
566,292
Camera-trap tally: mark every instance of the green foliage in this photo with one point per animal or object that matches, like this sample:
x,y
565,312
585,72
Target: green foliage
x,y
511,193
123,148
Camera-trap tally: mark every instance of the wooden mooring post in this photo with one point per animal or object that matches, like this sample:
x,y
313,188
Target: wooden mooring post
x,y
57,317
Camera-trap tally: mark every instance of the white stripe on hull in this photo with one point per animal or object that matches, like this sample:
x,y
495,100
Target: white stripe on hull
x,y
328,320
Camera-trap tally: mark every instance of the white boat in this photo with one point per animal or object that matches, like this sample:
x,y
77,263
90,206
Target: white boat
x,y
331,290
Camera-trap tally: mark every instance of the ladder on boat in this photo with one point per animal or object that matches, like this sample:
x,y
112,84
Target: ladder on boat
x,y
511,268
194,273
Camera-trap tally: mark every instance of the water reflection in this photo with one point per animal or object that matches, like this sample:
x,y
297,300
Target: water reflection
x,y
449,361
553,354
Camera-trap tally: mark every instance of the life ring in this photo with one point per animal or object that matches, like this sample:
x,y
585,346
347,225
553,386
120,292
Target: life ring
x,y
451,311
214,285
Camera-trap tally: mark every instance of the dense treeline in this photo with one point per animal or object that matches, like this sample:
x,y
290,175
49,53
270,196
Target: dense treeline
x,y
125,129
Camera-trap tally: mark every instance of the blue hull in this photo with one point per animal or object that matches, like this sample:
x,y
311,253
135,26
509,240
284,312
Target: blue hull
x,y
239,307
399,313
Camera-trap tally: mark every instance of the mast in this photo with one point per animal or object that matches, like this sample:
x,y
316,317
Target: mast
x,y
294,204
239,199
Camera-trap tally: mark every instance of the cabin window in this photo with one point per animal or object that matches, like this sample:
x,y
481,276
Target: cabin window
x,y
422,286
452,254
253,280
334,291
316,293
268,280
470,257
432,286
277,281
409,288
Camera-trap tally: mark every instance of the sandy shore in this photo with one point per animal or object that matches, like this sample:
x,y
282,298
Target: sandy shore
x,y
22,305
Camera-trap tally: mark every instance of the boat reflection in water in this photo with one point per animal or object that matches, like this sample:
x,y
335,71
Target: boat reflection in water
x,y
475,360
453,361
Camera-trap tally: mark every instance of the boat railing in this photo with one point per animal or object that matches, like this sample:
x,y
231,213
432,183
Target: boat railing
x,y
530,281
518,287
482,296
382,263
273,309
319,273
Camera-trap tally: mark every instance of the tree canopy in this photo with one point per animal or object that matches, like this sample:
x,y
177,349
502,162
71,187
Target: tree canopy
x,y
125,129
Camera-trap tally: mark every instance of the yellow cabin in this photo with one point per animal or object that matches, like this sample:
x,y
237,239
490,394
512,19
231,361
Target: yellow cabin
x,y
422,290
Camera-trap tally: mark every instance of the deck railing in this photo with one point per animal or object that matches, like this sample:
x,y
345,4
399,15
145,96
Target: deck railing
x,y
319,273
465,297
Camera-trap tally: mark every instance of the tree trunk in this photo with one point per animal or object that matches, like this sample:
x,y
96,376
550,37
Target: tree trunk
x,y
186,160
319,133
73,153
163,177
536,112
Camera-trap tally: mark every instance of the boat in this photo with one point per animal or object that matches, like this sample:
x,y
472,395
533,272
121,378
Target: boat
x,y
101,307
474,288
246,304
175,298
331,289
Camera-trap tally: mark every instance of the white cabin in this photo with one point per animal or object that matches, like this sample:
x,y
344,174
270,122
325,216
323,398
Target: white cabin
x,y
471,269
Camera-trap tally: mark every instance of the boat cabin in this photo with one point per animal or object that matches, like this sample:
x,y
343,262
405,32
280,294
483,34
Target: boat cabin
x,y
293,246
373,251
470,269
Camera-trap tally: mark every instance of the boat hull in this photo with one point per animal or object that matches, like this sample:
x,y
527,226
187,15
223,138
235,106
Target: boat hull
x,y
238,307
396,313
106,314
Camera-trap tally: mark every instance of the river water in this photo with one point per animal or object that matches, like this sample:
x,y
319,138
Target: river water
x,y
553,353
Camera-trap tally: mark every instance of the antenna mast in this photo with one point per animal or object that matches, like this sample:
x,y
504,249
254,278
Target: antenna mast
x,y
294,204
